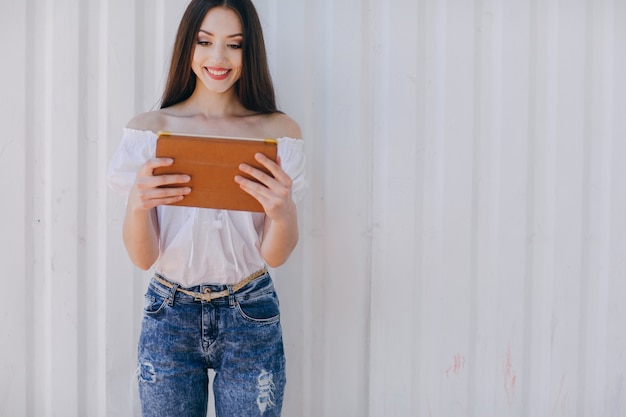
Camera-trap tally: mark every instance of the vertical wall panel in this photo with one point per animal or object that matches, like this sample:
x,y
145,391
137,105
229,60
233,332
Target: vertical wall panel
x,y
615,125
344,169
394,153
14,315
116,296
511,256
461,242
93,215
540,205
489,108
570,127
293,282
56,121
597,181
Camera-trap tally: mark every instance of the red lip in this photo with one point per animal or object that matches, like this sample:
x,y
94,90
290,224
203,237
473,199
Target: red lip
x,y
217,73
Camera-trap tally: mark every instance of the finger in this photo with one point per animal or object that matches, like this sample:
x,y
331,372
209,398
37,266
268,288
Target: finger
x,y
164,201
278,177
167,192
151,164
254,189
147,169
273,201
262,192
161,196
157,181
258,175
152,197
274,168
171,179
146,176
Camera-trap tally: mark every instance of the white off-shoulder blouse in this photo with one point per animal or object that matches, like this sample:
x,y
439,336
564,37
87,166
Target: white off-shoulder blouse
x,y
197,245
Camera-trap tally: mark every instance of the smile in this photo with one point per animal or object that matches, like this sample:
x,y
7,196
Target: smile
x,y
214,72
217,73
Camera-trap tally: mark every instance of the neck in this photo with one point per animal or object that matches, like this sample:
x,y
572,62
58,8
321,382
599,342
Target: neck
x,y
215,104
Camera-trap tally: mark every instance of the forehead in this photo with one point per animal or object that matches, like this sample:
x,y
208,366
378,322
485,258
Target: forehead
x,y
221,21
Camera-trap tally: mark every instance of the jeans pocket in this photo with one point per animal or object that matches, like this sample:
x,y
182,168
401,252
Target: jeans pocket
x,y
261,310
153,303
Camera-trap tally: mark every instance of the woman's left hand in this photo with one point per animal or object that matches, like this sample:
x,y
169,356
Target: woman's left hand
x,y
274,194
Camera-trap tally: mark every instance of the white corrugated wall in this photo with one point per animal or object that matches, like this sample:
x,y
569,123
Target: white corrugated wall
x,y
463,241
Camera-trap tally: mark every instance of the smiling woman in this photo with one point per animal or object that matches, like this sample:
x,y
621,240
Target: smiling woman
x,y
211,303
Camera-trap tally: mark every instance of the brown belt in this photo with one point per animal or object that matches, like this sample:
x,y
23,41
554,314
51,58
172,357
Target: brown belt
x,y
207,295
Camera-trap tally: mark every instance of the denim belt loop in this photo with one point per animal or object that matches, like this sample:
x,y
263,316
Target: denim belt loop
x,y
173,294
231,296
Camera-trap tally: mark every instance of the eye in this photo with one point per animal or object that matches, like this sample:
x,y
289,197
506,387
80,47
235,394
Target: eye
x,y
234,46
203,42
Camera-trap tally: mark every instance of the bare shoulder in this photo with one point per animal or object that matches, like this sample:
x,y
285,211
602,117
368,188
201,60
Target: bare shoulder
x,y
280,125
152,120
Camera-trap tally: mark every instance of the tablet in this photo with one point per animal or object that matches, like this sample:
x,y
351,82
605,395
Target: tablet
x,y
213,162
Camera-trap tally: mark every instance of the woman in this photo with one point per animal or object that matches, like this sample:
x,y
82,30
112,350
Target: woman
x,y
218,84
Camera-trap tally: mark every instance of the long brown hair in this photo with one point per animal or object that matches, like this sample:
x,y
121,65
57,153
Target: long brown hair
x,y
254,88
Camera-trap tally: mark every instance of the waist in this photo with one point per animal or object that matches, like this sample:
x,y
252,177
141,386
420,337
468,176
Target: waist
x,y
256,284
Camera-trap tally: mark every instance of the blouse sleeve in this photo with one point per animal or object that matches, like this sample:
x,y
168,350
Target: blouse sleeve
x,y
136,147
291,153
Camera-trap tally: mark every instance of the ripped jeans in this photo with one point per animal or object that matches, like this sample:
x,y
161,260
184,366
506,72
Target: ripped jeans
x,y
237,336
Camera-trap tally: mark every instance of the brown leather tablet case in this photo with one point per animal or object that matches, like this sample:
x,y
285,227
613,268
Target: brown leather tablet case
x,y
213,162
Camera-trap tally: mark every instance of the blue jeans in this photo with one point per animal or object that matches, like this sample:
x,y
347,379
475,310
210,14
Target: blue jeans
x,y
238,336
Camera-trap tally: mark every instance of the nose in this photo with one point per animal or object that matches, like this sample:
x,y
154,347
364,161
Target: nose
x,y
217,53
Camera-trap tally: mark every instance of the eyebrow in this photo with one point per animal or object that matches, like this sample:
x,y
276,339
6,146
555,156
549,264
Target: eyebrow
x,y
229,36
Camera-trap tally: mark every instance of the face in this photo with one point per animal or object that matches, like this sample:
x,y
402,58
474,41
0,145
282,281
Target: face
x,y
217,57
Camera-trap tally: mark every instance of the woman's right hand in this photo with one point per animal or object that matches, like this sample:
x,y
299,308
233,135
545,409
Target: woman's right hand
x,y
147,192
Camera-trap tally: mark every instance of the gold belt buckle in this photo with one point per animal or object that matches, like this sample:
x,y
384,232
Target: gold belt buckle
x,y
204,296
